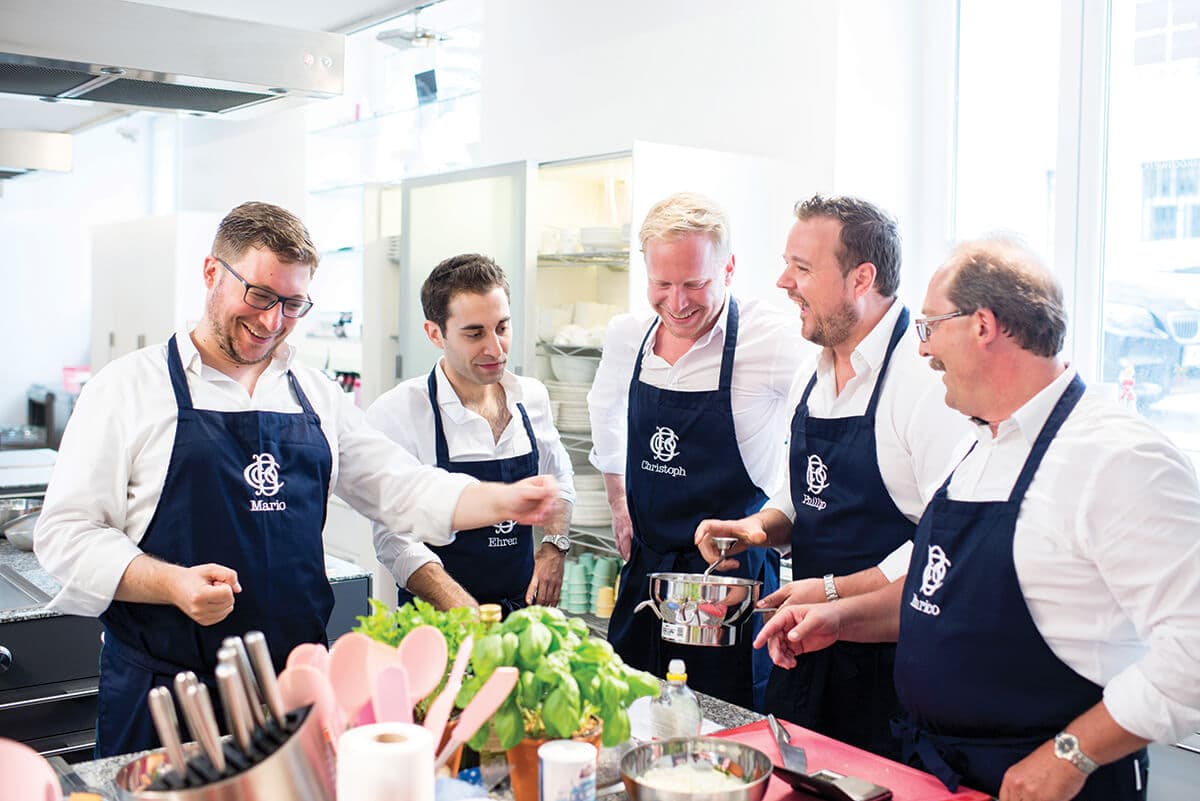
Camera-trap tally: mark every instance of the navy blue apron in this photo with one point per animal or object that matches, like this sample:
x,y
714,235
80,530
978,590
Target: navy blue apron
x,y
493,563
980,686
845,522
683,465
246,490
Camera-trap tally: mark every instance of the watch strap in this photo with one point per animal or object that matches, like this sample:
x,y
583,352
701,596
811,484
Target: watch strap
x,y
831,593
1066,747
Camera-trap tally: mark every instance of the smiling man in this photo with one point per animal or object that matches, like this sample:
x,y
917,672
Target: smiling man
x,y
189,493
471,415
871,441
687,409
1049,626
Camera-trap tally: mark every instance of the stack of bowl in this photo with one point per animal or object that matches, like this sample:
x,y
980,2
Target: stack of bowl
x,y
591,501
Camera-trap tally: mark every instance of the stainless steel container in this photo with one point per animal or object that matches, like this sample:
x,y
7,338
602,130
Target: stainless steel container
x,y
300,770
732,758
701,610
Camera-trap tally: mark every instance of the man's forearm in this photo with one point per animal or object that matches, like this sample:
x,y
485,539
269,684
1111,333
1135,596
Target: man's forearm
x,y
873,616
430,582
560,519
614,489
147,580
776,526
860,583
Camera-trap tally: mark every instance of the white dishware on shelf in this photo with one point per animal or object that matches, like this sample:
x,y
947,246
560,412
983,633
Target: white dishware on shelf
x,y
574,369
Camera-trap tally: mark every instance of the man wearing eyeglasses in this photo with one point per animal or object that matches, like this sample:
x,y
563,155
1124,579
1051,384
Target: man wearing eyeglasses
x,y
1050,625
190,490
870,441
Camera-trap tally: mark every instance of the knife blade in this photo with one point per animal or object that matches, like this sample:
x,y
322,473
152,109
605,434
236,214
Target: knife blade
x,y
793,756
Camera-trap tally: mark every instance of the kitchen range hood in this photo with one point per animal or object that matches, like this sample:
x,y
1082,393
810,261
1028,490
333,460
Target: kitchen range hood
x,y
130,54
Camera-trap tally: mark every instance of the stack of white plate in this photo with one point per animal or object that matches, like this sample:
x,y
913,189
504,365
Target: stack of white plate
x,y
591,508
572,411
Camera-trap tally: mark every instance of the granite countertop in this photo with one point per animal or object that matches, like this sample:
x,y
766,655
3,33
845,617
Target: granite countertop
x,y
100,773
26,564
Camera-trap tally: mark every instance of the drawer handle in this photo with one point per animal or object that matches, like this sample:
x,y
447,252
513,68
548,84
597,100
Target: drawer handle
x,y
50,699
6,659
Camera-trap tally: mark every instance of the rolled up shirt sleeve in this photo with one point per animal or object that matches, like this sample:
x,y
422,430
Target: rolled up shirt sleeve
x,y
80,537
401,553
1147,554
386,483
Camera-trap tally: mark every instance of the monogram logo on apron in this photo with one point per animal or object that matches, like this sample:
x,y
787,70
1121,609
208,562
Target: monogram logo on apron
x,y
663,444
262,474
817,475
505,526
935,571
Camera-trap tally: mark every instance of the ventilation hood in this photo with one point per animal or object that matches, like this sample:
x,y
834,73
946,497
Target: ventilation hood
x,y
130,54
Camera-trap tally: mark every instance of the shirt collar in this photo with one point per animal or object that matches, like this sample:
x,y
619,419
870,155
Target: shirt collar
x,y
448,399
1029,420
867,357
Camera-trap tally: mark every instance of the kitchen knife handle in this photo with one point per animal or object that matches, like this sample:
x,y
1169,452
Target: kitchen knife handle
x,y
210,735
260,656
237,708
253,695
162,712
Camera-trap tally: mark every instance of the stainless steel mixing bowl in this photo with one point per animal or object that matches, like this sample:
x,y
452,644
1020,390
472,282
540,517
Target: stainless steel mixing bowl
x,y
701,610
732,758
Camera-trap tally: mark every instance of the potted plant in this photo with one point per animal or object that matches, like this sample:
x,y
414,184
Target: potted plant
x,y
390,627
571,685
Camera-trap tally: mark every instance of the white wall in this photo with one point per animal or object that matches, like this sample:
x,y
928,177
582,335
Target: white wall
x,y
45,223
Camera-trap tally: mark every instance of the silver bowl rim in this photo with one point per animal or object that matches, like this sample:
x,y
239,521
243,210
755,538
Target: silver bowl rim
x,y
712,579
699,739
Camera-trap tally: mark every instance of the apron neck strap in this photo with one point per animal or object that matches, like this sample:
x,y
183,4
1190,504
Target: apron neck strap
x,y
727,350
439,430
183,396
897,334
1058,416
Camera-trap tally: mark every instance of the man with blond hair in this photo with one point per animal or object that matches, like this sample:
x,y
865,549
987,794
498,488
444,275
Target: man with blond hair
x,y
686,410
189,494
1049,625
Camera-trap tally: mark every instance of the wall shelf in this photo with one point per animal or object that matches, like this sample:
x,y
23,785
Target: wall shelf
x,y
613,259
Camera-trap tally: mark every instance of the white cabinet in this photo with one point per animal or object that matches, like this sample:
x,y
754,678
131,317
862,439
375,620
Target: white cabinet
x,y
347,535
147,280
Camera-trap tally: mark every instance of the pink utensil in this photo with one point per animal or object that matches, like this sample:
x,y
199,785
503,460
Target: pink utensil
x,y
439,711
310,653
379,656
348,673
25,774
485,703
301,685
390,698
423,653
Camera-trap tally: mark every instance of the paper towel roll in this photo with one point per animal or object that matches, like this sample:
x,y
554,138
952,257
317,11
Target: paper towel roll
x,y
385,762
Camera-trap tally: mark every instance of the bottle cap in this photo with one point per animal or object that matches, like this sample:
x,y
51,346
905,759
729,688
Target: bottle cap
x,y
490,613
676,670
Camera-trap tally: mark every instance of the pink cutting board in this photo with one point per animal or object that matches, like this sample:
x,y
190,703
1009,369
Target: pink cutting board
x,y
906,784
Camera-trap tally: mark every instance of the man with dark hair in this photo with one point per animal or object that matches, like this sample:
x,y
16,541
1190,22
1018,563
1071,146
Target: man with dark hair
x,y
1049,626
870,442
471,415
189,493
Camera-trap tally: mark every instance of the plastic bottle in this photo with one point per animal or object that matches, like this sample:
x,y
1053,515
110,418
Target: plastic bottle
x,y
493,762
1126,396
676,710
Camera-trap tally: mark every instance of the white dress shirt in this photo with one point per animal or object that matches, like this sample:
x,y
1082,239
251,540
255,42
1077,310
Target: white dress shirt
x,y
918,439
1107,552
769,349
114,455
404,414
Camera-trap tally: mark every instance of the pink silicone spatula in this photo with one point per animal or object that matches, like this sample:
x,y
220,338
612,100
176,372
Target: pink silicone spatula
x,y
439,711
485,703
423,653
390,697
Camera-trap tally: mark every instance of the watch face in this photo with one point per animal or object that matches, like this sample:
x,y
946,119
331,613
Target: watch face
x,y
1065,744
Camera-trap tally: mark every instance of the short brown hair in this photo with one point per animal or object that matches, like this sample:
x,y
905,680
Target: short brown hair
x,y
467,272
1004,275
263,225
683,214
868,234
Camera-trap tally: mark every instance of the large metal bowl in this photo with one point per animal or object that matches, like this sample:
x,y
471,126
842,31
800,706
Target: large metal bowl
x,y
11,508
735,759
701,610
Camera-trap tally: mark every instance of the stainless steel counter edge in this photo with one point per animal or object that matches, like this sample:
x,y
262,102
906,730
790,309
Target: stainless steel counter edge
x,y
25,563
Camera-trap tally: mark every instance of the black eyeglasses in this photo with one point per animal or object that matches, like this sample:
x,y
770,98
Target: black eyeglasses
x,y
925,324
264,299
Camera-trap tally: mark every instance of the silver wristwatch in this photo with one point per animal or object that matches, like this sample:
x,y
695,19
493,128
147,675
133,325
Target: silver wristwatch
x,y
1066,746
560,541
831,593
